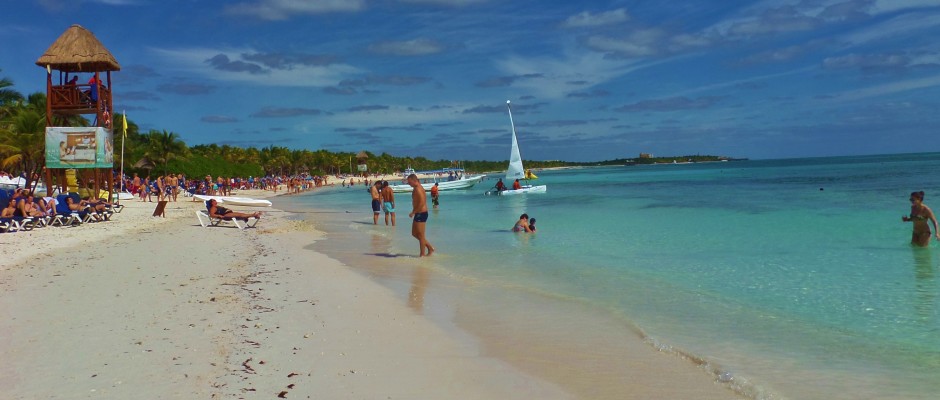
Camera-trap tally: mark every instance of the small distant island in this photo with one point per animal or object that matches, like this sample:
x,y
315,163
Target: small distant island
x,y
649,159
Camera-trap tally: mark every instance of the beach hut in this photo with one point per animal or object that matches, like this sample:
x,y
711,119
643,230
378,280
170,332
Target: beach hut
x,y
78,51
144,163
361,165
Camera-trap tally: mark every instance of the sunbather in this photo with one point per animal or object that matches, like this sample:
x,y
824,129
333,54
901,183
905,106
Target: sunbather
x,y
10,210
73,205
217,211
99,205
29,209
47,204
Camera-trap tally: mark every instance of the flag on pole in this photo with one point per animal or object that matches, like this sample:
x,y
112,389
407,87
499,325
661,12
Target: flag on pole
x,y
125,124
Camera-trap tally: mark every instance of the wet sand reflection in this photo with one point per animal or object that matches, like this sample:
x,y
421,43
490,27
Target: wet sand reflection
x,y
419,284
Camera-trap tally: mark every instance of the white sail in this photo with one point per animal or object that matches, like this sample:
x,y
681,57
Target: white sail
x,y
515,171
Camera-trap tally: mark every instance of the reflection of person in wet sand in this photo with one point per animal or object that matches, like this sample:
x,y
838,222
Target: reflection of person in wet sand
x,y
419,283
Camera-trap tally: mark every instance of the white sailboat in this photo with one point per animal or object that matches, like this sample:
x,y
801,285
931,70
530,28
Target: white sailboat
x,y
516,170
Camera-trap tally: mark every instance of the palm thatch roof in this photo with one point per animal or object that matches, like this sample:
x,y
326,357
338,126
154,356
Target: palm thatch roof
x,y
144,163
362,155
78,50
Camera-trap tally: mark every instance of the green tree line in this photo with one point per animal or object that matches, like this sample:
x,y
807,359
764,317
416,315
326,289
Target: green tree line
x,y
158,152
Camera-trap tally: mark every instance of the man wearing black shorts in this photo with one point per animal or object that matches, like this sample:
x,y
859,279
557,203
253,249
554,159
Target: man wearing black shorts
x,y
419,211
376,202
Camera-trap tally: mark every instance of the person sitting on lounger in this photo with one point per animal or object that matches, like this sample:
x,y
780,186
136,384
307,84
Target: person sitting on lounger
x,y
217,211
29,209
10,210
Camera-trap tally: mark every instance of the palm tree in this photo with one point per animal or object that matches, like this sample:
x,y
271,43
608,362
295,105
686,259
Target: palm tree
x,y
8,96
22,141
165,146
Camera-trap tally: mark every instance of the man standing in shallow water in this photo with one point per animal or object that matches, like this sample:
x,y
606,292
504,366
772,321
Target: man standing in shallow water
x,y
388,201
419,211
376,202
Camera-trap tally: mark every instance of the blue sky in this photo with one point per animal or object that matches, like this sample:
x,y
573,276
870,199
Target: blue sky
x,y
589,80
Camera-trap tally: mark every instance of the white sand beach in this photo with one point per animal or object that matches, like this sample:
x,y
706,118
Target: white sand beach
x,y
145,307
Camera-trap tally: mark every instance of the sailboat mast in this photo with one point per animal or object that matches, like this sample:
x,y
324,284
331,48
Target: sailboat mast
x,y
508,107
515,170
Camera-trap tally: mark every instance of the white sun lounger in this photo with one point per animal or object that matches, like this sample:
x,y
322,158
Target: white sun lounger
x,y
205,220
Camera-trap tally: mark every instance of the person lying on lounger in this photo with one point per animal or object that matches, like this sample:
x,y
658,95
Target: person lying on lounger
x,y
81,206
217,211
73,205
99,205
47,204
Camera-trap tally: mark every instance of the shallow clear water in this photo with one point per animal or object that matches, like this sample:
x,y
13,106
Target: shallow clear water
x,y
795,276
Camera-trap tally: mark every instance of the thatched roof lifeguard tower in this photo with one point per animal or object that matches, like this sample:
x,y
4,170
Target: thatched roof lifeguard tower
x,y
77,51
361,159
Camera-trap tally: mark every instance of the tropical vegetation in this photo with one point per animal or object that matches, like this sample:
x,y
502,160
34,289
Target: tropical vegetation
x,y
157,152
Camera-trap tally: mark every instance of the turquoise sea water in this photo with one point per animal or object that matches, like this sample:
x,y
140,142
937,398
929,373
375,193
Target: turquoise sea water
x,y
794,278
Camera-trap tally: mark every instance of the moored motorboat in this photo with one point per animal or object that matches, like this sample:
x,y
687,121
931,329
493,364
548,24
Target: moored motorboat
x,y
462,181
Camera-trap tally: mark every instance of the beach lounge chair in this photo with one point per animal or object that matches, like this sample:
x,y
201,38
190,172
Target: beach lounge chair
x,y
64,216
7,225
206,221
24,223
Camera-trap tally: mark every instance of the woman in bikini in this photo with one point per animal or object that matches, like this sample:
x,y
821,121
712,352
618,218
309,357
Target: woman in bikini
x,y
920,214
217,211
522,225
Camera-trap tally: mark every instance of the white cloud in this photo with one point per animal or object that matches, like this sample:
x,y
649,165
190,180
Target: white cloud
x,y
893,28
194,60
646,42
587,19
890,88
283,9
738,82
451,3
884,6
626,47
415,47
556,72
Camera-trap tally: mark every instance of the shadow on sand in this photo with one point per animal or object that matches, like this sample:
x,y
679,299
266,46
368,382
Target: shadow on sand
x,y
390,255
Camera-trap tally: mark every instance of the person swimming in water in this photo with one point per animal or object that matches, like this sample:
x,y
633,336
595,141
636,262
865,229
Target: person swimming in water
x,y
522,225
920,214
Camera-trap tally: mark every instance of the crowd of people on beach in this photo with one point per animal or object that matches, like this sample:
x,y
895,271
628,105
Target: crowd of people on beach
x,y
169,187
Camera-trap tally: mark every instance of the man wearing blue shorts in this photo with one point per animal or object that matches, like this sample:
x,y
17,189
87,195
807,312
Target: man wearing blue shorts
x,y
388,200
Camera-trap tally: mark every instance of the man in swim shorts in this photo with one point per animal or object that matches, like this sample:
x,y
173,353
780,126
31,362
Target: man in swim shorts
x,y
172,186
388,200
376,202
419,211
